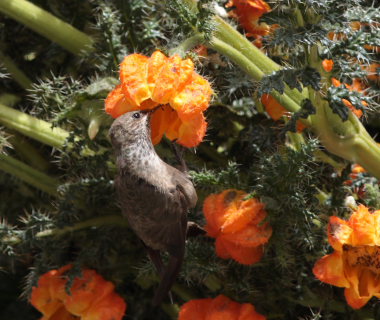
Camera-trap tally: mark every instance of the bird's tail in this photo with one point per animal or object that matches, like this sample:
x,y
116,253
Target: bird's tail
x,y
168,277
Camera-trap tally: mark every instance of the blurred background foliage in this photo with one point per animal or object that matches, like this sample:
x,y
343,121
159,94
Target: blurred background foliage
x,y
244,149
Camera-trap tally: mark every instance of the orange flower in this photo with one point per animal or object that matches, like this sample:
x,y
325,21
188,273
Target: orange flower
x,y
91,297
218,308
357,85
170,83
248,12
276,111
373,71
354,264
237,225
327,65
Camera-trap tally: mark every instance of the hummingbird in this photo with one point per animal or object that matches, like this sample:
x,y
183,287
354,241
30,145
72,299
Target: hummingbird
x,y
154,196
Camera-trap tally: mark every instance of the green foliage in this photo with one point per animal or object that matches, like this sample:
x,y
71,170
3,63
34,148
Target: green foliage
x,y
243,149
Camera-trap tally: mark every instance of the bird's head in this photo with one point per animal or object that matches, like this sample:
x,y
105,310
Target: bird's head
x,y
130,128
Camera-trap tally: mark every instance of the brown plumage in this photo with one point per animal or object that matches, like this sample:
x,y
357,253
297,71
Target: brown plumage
x,y
153,195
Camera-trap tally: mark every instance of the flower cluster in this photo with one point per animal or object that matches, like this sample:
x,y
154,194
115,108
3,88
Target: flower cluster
x,y
248,13
355,262
91,297
276,111
171,83
358,86
220,307
237,224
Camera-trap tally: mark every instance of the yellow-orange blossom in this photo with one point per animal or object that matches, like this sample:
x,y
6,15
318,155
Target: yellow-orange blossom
x,y
91,297
355,262
170,83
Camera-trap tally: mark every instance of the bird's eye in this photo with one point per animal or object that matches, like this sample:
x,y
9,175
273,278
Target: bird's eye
x,y
136,115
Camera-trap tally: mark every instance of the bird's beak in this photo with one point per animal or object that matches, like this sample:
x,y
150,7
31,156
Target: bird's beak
x,y
149,112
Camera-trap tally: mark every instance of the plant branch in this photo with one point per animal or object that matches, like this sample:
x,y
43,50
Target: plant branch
x,y
29,175
47,25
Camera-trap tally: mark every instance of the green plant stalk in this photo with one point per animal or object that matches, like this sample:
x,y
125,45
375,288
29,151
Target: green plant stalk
x,y
32,127
47,25
19,76
256,73
29,175
28,152
234,38
187,45
347,139
39,130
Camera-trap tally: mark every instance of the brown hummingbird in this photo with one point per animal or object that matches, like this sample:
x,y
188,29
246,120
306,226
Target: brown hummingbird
x,y
154,196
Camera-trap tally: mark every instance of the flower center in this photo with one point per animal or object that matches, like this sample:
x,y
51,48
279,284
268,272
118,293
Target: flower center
x,y
367,257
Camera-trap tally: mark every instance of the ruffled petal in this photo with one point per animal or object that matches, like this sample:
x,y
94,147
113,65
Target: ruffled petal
x,y
248,312
110,307
364,228
155,64
222,308
193,98
221,249
240,213
330,269
243,255
160,122
133,76
339,232
195,309
251,236
190,132
353,298
117,103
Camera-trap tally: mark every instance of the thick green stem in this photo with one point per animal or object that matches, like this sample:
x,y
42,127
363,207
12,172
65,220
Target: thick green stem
x,y
28,152
32,127
234,38
187,45
28,174
18,75
90,223
39,130
47,25
248,66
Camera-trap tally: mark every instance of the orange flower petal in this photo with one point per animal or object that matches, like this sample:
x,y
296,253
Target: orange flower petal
x,y
195,309
327,65
243,255
133,76
117,103
191,132
250,236
221,249
61,314
220,203
330,269
193,98
167,80
349,105
160,121
108,308
353,298
46,297
222,308
249,12
364,228
87,291
248,312
248,211
155,64
272,107
210,208
339,232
